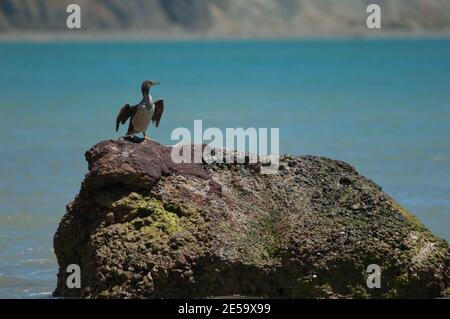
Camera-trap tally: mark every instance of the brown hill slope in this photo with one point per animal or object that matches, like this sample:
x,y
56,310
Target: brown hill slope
x,y
227,17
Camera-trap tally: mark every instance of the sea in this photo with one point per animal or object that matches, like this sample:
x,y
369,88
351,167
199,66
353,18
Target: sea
x,y
382,105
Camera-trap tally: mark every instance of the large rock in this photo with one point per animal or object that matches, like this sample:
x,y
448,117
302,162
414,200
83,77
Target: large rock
x,y
143,226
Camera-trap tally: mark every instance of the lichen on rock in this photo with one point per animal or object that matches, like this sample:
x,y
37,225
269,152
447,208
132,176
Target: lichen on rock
x,y
145,227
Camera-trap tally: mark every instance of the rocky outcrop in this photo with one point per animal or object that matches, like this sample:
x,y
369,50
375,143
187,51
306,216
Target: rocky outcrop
x,y
143,226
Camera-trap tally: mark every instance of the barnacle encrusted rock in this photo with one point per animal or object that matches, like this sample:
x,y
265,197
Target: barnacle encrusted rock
x,y
143,226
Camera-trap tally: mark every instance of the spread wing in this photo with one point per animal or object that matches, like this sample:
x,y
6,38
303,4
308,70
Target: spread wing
x,y
159,109
125,113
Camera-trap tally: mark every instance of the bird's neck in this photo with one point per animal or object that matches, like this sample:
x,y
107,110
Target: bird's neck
x,y
148,99
145,92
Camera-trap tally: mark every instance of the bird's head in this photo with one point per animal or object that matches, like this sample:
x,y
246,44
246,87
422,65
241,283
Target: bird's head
x,y
146,85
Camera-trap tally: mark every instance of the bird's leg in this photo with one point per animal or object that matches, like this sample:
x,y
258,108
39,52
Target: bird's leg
x,y
133,137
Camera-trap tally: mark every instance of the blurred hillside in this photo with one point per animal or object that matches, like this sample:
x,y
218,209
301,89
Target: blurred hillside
x,y
226,17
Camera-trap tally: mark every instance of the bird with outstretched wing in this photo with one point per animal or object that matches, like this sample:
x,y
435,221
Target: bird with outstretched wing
x,y
140,115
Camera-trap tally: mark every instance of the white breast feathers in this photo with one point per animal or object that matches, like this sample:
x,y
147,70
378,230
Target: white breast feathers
x,y
142,118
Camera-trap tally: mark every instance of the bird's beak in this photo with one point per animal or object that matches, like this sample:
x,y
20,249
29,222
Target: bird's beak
x,y
156,83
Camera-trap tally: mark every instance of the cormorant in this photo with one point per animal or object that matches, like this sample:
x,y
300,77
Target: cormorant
x,y
141,114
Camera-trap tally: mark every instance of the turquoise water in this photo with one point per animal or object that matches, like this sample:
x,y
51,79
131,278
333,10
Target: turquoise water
x,y
381,105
